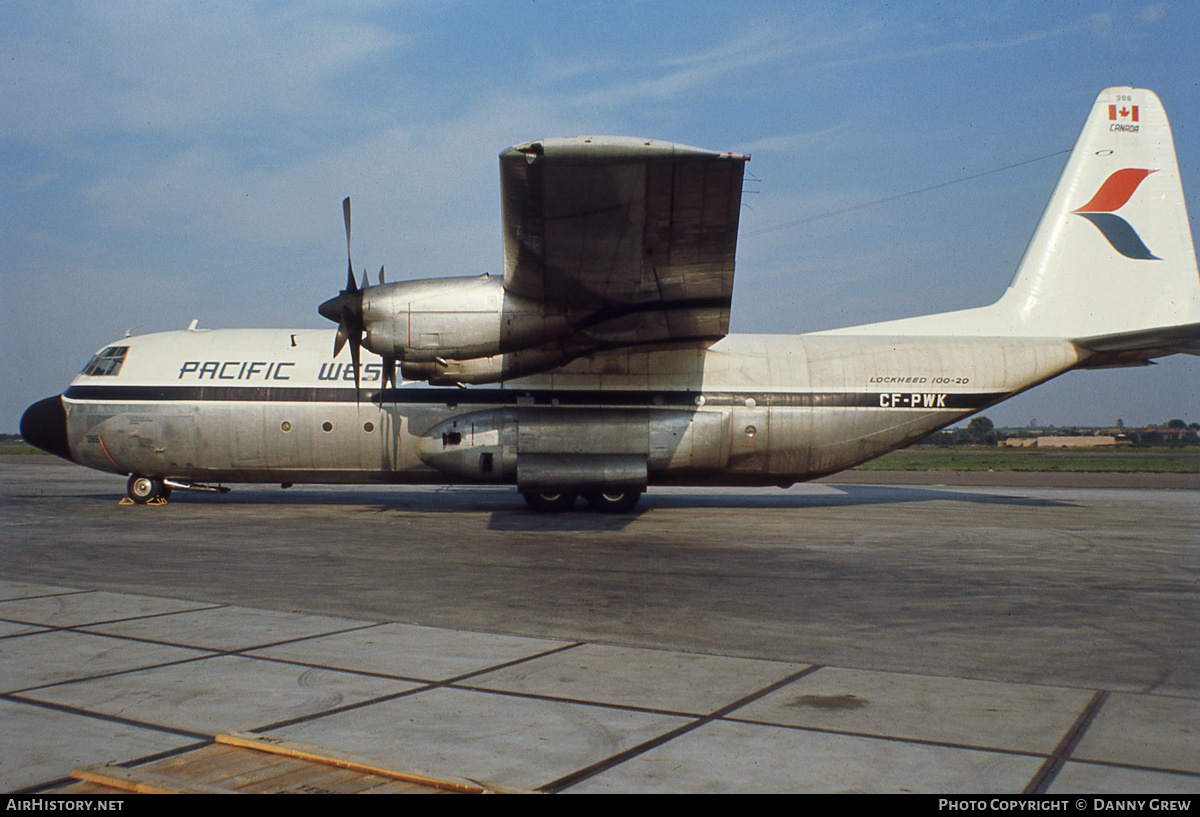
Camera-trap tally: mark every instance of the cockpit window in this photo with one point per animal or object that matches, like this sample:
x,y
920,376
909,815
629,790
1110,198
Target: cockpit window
x,y
108,362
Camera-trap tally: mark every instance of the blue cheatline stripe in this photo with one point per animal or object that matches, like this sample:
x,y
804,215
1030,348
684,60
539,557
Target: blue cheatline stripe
x,y
622,398
1122,237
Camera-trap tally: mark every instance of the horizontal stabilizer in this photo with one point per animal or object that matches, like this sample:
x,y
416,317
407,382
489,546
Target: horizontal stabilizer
x,y
1138,348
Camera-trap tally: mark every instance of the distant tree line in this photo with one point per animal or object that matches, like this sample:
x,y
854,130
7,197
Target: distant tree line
x,y
981,431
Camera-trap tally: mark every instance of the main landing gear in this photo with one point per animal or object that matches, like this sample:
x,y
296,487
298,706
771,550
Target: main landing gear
x,y
613,502
608,502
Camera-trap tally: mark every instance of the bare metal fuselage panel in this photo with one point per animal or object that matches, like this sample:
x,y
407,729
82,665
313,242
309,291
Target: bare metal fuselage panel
x,y
274,406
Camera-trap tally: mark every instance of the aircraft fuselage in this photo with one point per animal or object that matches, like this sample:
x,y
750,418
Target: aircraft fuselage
x,y
274,406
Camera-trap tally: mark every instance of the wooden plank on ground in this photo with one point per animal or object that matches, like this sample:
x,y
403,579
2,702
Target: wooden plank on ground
x,y
141,781
267,743
247,763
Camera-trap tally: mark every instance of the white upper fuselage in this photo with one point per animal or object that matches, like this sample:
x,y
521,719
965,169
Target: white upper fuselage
x,y
275,405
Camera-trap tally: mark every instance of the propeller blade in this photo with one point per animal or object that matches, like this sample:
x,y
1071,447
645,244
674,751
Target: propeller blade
x,y
381,274
342,335
389,372
366,281
355,343
346,216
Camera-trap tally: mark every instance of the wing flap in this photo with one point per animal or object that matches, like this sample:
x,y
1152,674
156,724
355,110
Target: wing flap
x,y
626,227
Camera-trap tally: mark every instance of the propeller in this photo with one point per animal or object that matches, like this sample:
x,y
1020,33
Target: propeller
x,y
346,310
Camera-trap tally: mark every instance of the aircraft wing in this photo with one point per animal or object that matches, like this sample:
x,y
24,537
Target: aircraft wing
x,y
638,235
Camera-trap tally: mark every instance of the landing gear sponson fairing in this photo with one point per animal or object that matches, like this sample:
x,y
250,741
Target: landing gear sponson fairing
x,y
599,364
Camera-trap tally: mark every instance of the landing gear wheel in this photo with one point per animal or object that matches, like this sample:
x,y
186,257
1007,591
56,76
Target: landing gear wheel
x,y
143,490
618,502
549,502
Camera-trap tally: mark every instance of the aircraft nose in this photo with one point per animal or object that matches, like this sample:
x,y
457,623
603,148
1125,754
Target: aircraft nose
x,y
44,424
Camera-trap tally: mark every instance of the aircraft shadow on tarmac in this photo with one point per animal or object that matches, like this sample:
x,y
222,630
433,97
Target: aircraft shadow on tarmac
x,y
508,512
847,496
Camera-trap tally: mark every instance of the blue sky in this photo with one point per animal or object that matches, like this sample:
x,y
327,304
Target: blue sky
x,y
167,161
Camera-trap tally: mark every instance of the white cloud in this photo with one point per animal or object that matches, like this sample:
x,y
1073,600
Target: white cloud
x,y
178,68
756,46
960,46
793,142
1152,13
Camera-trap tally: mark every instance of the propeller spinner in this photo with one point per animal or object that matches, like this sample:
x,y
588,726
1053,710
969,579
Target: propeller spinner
x,y
346,310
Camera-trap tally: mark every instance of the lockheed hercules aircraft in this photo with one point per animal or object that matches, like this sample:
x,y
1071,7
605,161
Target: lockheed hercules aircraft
x,y
600,363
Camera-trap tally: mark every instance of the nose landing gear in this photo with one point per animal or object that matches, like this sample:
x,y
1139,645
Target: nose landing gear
x,y
142,490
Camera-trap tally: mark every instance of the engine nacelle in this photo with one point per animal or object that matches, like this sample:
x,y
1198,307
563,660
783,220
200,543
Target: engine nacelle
x,y
491,369
442,319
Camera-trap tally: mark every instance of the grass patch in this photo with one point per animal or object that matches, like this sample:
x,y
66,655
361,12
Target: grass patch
x,y
18,447
982,458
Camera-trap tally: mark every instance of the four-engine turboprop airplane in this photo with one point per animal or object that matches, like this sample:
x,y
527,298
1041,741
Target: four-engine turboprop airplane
x,y
600,363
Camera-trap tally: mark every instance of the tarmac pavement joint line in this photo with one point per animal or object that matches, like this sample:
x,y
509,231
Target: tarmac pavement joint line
x,y
424,686
572,779
1041,781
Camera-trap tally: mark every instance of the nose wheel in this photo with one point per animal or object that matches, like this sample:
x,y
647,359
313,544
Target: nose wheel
x,y
146,490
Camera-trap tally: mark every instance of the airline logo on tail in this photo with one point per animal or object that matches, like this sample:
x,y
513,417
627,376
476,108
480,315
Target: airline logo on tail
x,y
1112,195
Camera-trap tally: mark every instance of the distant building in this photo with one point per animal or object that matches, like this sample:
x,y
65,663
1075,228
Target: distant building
x,y
1059,442
1168,433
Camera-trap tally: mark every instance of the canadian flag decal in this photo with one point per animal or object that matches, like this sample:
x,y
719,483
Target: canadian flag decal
x,y
1124,113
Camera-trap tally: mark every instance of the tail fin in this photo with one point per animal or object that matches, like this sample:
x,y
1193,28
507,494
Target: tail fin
x,y
1113,254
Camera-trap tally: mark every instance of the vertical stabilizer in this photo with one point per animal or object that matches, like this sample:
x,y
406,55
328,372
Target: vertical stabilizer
x,y
1112,256
1113,252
